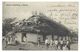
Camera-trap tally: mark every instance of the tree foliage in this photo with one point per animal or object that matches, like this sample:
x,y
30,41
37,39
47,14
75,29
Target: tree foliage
x,y
7,25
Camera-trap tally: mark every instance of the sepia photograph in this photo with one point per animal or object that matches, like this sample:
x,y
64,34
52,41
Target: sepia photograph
x,y
40,26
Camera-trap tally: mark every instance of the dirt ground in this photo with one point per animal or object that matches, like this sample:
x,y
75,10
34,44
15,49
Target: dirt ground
x,y
30,46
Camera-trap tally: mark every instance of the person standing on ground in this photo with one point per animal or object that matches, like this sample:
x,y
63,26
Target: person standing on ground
x,y
47,43
51,42
39,41
56,43
7,39
68,44
61,44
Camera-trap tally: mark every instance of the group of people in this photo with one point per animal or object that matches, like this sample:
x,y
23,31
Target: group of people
x,y
58,44
10,39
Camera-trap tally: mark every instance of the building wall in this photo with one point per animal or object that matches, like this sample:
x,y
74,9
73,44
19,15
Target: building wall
x,y
18,35
30,37
49,37
33,37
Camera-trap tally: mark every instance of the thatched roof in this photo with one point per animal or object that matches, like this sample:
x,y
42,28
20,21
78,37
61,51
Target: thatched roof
x,y
41,24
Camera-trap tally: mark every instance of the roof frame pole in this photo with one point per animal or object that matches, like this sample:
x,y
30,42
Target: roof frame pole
x,y
44,37
58,37
61,37
52,36
22,38
65,37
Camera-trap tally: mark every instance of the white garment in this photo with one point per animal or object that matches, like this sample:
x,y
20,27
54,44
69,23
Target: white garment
x,y
51,42
67,42
56,42
24,38
58,47
65,48
46,41
61,42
